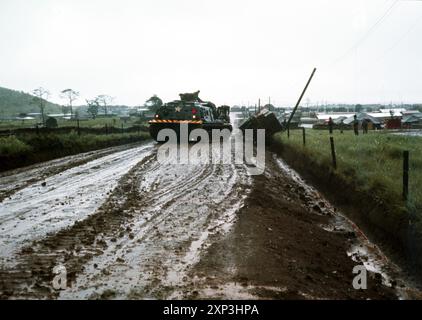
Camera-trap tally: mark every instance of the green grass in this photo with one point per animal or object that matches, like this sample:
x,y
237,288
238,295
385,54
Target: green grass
x,y
374,161
11,146
75,142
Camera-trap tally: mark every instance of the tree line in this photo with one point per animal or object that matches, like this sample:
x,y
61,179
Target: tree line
x,y
101,102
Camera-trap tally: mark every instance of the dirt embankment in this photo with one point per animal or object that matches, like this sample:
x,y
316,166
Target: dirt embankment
x,y
280,249
377,217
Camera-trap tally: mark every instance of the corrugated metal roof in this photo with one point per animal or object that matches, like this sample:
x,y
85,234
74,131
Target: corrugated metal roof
x,y
362,116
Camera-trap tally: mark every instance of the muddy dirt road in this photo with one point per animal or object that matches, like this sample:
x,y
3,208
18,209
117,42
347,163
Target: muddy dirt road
x,y
125,226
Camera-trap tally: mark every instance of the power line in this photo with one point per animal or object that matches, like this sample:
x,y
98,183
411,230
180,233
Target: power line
x,y
413,26
368,33
399,40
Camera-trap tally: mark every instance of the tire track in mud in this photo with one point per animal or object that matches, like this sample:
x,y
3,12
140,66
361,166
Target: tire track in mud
x,y
140,243
18,179
172,225
33,275
39,210
33,214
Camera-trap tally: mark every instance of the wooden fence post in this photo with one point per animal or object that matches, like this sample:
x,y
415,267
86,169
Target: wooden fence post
x,y
304,136
288,132
405,175
333,153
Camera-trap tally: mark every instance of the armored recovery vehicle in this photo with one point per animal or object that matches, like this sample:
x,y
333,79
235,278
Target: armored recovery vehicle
x,y
194,112
265,119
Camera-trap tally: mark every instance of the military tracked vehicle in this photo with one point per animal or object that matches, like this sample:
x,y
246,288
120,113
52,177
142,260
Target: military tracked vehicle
x,y
194,112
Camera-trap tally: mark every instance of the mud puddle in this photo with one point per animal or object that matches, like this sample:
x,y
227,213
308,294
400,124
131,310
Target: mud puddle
x,y
62,199
15,180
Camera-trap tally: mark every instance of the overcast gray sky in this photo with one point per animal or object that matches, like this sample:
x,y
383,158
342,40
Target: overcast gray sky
x,y
234,51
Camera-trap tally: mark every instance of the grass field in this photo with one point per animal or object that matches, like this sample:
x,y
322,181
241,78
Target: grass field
x,y
374,161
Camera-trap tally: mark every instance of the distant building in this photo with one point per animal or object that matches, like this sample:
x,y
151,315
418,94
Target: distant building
x,y
24,118
324,117
396,112
66,116
412,120
362,116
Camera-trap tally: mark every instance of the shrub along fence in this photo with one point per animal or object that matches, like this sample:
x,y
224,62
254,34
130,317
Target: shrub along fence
x,y
22,147
80,130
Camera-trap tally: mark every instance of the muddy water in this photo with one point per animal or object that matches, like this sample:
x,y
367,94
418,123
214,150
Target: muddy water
x,y
15,180
62,199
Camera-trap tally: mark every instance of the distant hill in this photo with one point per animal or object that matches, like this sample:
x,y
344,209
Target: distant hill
x,y
13,103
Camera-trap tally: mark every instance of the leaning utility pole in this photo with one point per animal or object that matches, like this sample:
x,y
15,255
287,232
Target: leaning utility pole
x,y
301,97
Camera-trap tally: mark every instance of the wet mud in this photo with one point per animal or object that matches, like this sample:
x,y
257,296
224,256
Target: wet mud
x,y
126,226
